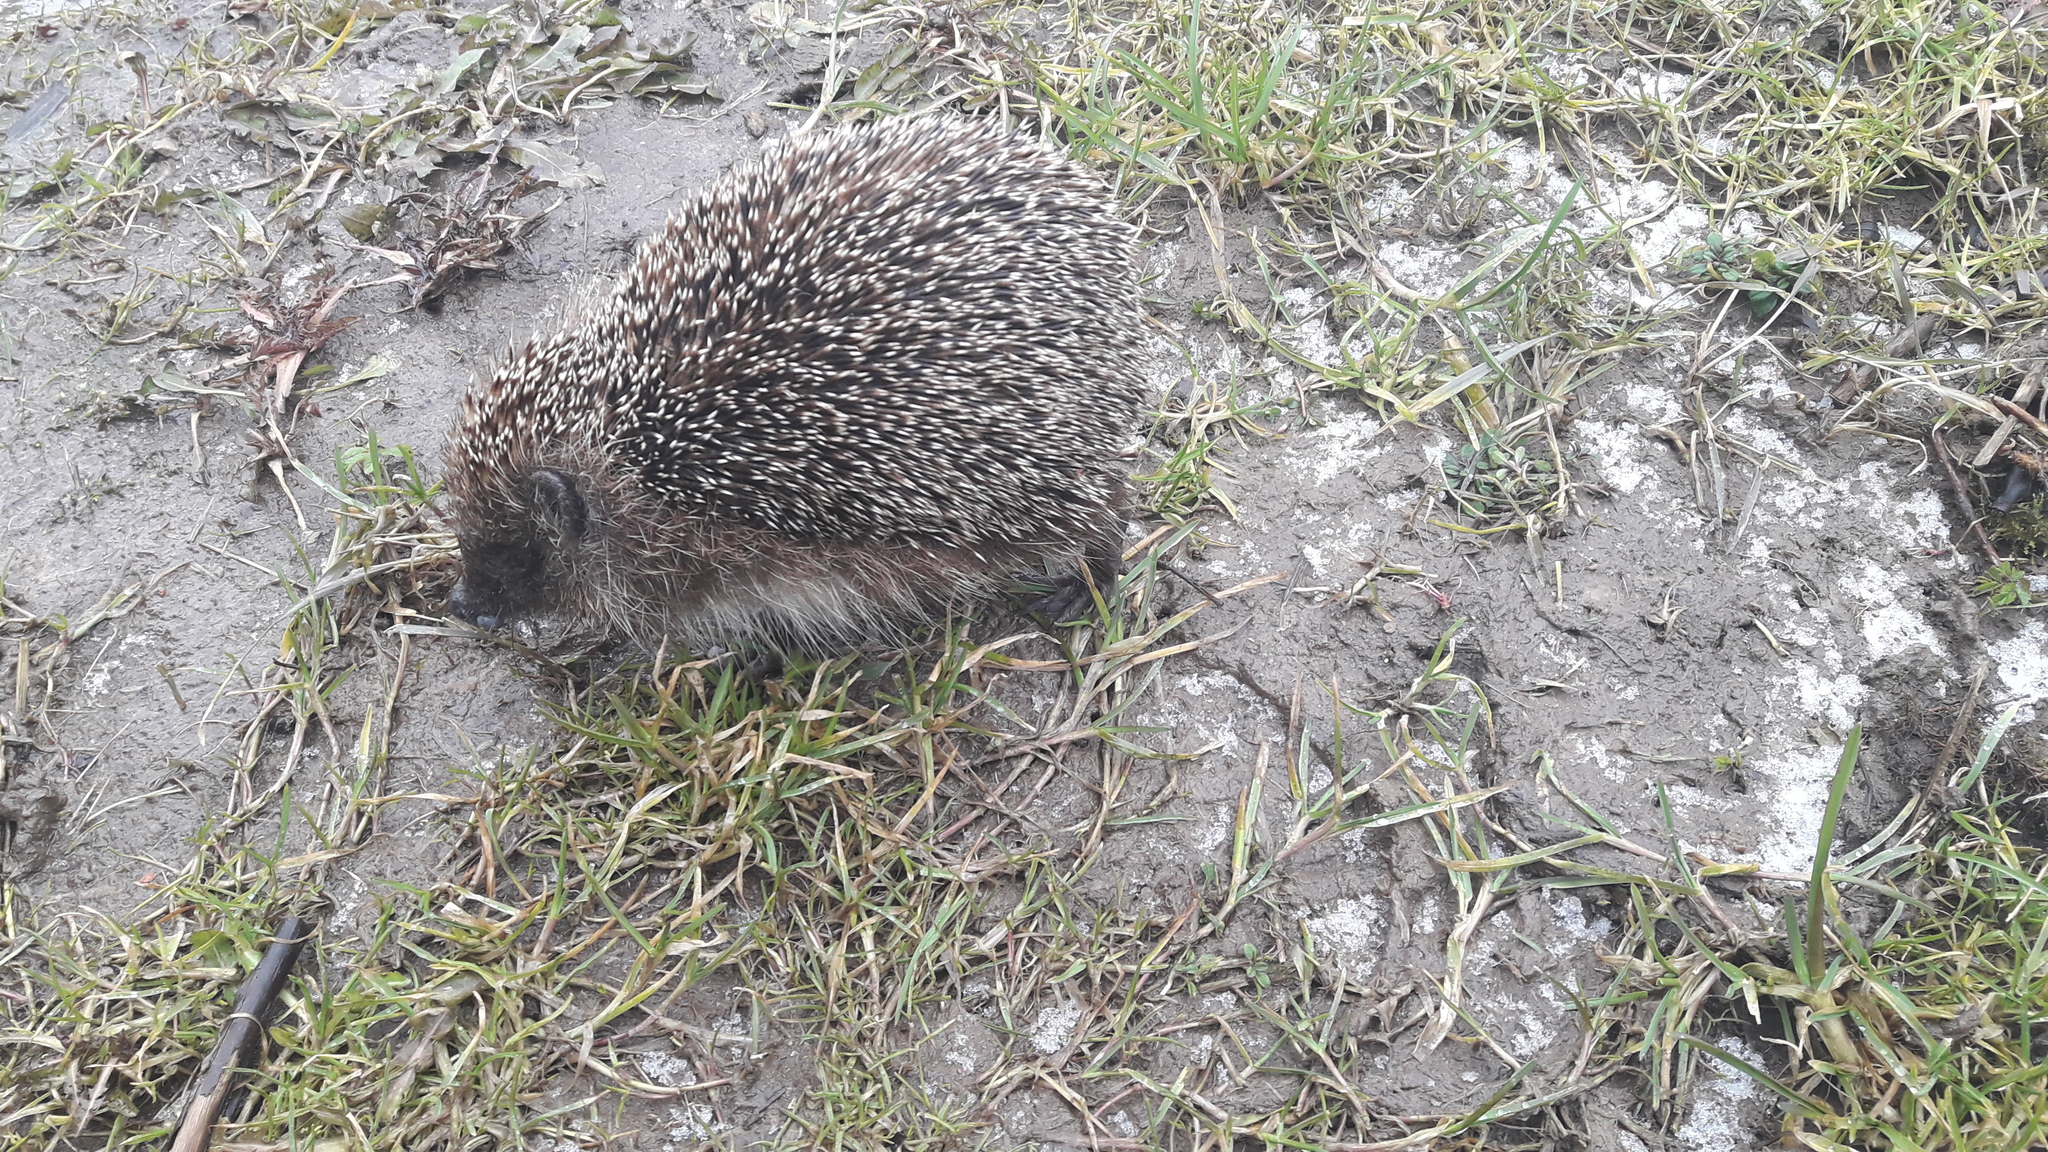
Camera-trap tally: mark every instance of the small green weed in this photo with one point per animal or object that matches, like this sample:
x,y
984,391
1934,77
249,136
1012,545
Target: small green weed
x,y
1768,281
2006,585
2022,532
1493,481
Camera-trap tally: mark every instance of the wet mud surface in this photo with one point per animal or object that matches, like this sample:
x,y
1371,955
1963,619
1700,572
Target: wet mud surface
x,y
1644,647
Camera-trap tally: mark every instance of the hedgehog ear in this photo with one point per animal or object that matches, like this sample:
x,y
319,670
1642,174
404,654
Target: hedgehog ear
x,y
556,492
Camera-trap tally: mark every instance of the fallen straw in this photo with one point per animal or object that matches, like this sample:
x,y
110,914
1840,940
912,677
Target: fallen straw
x,y
245,1025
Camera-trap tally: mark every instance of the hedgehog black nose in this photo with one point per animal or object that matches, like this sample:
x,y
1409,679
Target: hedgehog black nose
x,y
463,604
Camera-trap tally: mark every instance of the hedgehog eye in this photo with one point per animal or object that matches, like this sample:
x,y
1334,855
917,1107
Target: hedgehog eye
x,y
556,493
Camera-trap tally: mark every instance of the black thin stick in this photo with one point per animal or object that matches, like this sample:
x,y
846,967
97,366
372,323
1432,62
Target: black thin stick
x,y
1190,581
1963,498
245,1026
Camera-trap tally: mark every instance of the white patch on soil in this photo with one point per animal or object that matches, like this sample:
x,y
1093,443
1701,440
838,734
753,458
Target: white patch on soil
x,y
1387,199
1528,1028
100,678
1745,424
1796,792
1889,627
1222,822
1833,698
1430,271
2023,666
1339,546
1665,237
1685,798
960,1054
1651,404
1596,753
1716,1123
1655,87
1350,930
1310,336
1807,631
1212,722
1165,365
667,1069
1912,519
1422,922
1541,1024
1526,168
1756,376
1618,448
1686,226
688,1122
1569,913
1340,444
1055,1026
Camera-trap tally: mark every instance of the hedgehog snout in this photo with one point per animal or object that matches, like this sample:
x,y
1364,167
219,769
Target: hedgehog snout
x,y
500,579
464,605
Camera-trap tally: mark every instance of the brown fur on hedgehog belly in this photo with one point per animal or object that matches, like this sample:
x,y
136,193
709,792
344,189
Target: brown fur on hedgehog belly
x,y
860,382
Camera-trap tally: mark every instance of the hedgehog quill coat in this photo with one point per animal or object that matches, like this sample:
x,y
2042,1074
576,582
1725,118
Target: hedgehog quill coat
x,y
864,379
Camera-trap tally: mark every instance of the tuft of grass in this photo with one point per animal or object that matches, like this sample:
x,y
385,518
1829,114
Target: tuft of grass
x,y
843,854
1212,112
1927,1035
1919,1034
1191,430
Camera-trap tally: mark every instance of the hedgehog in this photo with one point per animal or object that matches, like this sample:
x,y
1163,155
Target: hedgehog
x,y
867,380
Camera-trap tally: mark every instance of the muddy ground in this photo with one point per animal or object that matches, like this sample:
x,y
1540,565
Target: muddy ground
x,y
1645,643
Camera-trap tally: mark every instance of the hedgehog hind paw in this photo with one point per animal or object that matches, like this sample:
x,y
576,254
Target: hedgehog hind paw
x,y
760,665
755,661
1071,601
